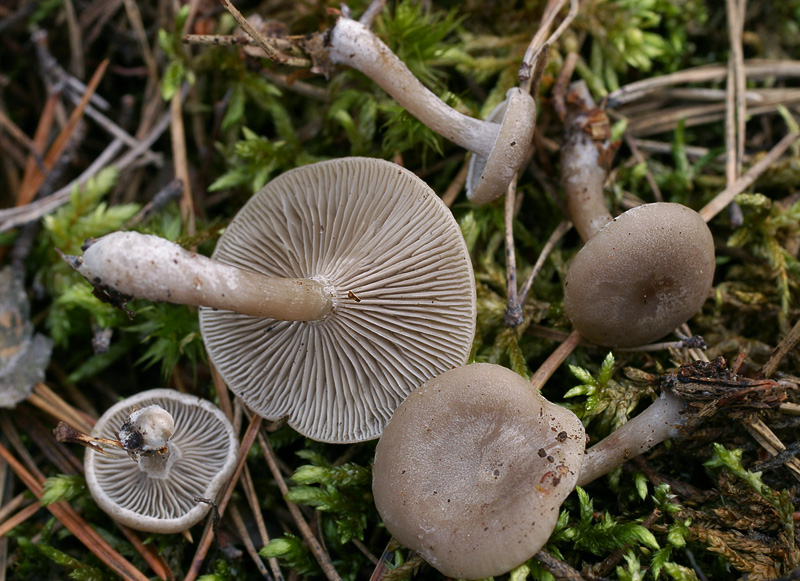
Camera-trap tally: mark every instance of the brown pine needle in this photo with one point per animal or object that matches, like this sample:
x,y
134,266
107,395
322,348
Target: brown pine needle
x,y
555,359
75,524
208,533
29,187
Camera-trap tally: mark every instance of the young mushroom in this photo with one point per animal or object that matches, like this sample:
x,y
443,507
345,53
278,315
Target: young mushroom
x,y
499,144
639,275
472,469
337,289
175,449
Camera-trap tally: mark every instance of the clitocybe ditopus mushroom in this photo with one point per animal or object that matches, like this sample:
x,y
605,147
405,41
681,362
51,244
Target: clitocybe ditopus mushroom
x,y
472,469
338,288
639,275
499,144
176,448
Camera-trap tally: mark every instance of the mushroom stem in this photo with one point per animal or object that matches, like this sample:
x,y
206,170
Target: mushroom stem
x,y
660,421
149,267
582,170
353,44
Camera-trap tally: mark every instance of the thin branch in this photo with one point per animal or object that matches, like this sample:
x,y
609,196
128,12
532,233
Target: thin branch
x,y
748,178
305,531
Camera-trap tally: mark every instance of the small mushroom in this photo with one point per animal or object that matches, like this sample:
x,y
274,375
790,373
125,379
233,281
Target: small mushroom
x,y
472,469
500,144
338,288
639,275
158,490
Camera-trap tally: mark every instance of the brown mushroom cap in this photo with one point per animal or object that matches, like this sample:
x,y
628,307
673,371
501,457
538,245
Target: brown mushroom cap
x,y
643,274
472,469
395,262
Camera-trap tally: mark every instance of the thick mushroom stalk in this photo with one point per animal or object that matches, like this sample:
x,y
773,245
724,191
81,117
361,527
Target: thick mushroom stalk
x,y
500,144
149,267
639,275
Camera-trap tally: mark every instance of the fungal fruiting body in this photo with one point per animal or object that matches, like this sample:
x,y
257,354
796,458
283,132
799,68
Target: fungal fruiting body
x,y
336,290
177,448
500,144
472,469
643,274
639,275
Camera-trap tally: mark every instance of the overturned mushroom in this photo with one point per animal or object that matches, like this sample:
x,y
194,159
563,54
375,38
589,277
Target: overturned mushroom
x,y
639,275
337,289
472,469
500,144
182,451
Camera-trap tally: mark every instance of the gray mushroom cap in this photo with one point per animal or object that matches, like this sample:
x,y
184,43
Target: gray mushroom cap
x,y
202,456
643,274
472,469
394,260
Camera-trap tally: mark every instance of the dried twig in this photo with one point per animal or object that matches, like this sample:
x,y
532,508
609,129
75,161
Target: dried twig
x,y
272,53
748,178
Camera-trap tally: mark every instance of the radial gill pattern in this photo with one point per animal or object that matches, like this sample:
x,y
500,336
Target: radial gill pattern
x,y
397,266
203,452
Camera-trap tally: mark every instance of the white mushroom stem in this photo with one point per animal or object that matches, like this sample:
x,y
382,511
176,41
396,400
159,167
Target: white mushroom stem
x,y
353,44
660,421
147,429
144,266
145,436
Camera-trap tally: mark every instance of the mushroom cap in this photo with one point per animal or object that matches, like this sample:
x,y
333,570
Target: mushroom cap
x,y
643,274
398,269
202,456
472,469
488,177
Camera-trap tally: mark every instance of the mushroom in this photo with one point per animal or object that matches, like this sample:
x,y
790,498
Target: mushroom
x,y
472,469
23,354
337,289
158,490
499,144
639,275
